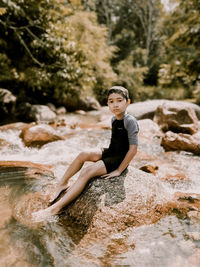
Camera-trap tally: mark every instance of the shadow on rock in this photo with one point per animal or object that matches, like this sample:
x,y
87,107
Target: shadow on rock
x,y
113,192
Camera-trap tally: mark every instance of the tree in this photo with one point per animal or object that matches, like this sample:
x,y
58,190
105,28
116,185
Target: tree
x,y
42,57
133,27
182,46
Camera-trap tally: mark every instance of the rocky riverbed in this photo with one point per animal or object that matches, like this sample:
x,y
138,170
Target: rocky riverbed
x,y
149,216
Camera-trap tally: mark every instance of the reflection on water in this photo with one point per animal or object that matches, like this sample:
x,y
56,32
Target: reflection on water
x,y
161,244
165,243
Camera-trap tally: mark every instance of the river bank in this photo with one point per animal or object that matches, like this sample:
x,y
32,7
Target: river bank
x,y
130,221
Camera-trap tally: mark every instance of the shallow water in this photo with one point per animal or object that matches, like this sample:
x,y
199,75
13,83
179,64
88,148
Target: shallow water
x,y
165,243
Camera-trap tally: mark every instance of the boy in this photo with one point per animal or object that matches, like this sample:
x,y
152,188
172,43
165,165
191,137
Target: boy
x,y
107,163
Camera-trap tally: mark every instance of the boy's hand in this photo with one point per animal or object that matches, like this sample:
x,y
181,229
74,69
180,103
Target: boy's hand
x,y
111,174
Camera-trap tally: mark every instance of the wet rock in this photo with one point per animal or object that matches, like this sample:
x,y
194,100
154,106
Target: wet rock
x,y
52,107
38,135
80,112
61,111
30,168
149,169
13,126
187,202
77,102
173,141
29,113
7,103
146,109
171,117
149,130
41,113
21,206
112,205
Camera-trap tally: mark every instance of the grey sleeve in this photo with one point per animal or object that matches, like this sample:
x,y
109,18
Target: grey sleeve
x,y
113,119
131,125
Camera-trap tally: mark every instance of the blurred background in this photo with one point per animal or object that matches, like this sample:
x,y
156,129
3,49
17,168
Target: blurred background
x,y
61,52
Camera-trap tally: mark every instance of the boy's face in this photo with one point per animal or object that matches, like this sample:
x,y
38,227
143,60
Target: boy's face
x,y
117,104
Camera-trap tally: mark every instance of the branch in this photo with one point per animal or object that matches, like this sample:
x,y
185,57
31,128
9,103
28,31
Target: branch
x,y
27,49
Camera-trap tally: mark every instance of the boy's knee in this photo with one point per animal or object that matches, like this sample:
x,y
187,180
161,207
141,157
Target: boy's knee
x,y
89,156
83,156
86,173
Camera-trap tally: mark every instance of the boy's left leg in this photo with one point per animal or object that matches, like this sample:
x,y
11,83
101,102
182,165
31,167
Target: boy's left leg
x,y
96,169
74,167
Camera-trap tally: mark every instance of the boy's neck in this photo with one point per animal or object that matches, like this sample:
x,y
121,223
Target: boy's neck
x,y
121,116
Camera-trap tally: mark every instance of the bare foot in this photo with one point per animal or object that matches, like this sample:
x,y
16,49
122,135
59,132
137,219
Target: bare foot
x,y
56,194
43,215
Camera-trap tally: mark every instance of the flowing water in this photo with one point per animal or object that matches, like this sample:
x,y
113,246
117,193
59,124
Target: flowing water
x,y
164,243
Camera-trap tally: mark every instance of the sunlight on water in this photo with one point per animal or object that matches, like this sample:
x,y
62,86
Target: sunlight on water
x,y
160,244
164,243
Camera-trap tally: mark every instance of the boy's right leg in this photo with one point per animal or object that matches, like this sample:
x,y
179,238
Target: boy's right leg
x,y
74,167
96,169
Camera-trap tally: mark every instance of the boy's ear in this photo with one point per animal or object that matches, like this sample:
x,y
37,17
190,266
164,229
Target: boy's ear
x,y
128,101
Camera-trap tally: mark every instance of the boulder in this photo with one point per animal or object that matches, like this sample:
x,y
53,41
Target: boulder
x,y
146,109
171,117
149,130
61,111
75,102
112,205
27,166
149,169
29,113
7,103
41,113
173,141
38,135
13,126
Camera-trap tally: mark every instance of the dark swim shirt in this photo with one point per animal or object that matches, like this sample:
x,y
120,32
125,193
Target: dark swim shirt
x,y
124,133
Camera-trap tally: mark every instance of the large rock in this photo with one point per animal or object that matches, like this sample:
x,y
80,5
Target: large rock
x,y
112,205
38,135
27,112
149,130
75,102
13,126
41,113
171,117
7,103
146,109
185,142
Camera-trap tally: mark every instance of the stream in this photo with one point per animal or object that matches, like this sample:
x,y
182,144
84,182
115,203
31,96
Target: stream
x,y
172,241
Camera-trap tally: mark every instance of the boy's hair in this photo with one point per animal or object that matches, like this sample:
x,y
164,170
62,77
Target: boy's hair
x,y
119,90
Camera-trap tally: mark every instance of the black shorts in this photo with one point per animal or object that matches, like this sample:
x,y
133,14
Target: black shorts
x,y
111,160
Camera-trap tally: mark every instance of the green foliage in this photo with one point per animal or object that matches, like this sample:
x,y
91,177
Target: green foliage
x,y
133,29
182,43
92,38
130,76
45,55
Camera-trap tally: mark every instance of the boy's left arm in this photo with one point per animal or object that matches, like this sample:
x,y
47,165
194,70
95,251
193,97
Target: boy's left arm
x,y
127,159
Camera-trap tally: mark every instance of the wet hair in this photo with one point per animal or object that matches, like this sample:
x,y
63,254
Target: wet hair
x,y
119,90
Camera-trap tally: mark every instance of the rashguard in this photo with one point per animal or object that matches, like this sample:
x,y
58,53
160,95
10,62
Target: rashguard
x,y
124,133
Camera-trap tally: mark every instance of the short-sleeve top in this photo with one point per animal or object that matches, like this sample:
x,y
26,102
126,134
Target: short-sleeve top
x,y
124,133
